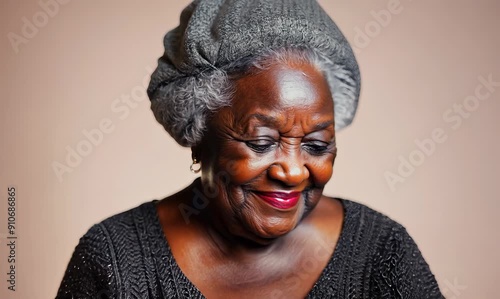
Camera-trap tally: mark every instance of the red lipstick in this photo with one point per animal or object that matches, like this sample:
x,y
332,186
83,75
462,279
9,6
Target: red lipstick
x,y
280,200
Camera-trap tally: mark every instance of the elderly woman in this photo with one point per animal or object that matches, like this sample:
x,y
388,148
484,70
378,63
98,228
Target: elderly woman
x,y
257,90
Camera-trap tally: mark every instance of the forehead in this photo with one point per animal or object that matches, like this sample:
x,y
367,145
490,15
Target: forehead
x,y
283,88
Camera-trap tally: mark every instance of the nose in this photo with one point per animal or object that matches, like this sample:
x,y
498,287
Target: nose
x,y
289,169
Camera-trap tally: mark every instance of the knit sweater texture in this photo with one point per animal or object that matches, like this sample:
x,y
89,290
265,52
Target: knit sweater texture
x,y
127,256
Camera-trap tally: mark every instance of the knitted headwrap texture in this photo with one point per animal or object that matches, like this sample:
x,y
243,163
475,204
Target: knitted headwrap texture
x,y
214,33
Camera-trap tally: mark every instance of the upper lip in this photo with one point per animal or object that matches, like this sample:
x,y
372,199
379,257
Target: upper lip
x,y
279,194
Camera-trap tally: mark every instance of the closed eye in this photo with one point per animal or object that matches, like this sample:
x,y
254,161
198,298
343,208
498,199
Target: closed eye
x,y
317,147
261,145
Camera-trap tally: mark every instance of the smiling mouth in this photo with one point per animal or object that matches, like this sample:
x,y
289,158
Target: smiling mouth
x,y
280,200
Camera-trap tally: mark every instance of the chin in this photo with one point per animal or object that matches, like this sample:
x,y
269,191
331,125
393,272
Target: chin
x,y
253,221
263,228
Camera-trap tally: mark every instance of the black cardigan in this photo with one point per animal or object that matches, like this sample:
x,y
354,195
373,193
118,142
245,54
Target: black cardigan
x,y
127,256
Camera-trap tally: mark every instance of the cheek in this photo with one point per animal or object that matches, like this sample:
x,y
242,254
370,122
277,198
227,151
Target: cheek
x,y
239,166
243,170
321,170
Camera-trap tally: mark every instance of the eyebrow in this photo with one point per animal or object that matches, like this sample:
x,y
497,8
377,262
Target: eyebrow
x,y
323,125
266,119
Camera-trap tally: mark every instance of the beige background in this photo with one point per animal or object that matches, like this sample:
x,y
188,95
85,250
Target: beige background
x,y
72,73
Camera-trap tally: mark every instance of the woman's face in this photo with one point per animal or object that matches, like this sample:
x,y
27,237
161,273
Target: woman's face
x,y
266,159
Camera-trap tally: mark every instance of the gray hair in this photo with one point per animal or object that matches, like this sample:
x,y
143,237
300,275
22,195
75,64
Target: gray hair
x,y
184,107
219,39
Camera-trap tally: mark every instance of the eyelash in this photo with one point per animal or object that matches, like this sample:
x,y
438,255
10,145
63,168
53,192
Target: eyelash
x,y
316,147
264,146
313,147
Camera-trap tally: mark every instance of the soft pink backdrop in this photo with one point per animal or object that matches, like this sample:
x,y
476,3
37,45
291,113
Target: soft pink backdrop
x,y
71,75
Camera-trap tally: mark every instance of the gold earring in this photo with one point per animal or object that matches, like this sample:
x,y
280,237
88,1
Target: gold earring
x,y
196,169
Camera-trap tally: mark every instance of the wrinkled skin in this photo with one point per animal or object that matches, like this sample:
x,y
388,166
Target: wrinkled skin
x,y
278,136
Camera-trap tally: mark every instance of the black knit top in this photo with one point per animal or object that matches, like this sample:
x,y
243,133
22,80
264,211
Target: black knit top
x,y
127,256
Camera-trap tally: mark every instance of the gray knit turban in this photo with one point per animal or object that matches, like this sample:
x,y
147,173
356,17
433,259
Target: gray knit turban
x,y
215,33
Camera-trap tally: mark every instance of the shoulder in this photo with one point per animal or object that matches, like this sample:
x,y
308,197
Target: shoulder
x,y
108,254
121,228
368,227
128,218
102,233
397,265
368,216
130,237
386,234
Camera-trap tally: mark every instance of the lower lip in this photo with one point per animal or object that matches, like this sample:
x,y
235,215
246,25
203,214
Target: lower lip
x,y
280,202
